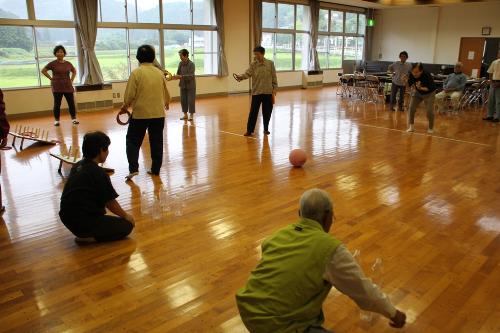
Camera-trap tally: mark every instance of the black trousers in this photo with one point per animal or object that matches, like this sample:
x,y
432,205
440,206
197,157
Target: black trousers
x,y
135,135
70,98
267,110
104,228
394,90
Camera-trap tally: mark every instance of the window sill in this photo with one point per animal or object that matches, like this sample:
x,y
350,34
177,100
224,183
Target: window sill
x,y
78,84
305,70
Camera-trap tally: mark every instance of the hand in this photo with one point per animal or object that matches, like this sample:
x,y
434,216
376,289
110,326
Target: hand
x,y
167,106
130,218
124,108
418,84
399,320
177,77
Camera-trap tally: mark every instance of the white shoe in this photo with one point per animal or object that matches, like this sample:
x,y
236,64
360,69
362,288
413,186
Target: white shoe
x,y
75,122
410,129
56,123
430,131
131,175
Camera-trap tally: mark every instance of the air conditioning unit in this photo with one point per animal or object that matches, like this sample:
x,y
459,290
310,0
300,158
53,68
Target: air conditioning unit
x,y
94,97
312,79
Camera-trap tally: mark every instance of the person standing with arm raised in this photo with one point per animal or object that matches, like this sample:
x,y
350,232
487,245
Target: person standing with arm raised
x,y
264,86
61,83
187,84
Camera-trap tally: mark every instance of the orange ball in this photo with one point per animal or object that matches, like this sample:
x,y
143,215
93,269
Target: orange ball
x,y
297,157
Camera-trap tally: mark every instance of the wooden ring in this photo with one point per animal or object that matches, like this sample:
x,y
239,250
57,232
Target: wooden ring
x,y
119,121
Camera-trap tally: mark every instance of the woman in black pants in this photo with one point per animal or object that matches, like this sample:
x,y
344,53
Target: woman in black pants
x,y
61,83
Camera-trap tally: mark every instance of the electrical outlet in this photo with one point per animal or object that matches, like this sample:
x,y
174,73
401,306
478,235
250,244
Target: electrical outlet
x,y
118,95
114,95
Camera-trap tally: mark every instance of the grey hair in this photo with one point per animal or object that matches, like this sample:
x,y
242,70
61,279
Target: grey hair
x,y
459,64
315,204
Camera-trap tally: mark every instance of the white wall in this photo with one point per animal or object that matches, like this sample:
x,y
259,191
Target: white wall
x,y
431,34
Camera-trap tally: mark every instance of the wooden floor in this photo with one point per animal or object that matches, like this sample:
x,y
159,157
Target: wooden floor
x,y
429,206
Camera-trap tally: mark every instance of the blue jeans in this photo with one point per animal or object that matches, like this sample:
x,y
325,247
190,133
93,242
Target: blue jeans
x,y
494,101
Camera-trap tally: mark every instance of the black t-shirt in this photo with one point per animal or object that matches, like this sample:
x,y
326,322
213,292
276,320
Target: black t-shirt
x,y
425,80
86,192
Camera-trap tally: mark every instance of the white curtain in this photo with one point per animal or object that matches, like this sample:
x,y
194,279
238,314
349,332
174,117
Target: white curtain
x,y
313,30
219,18
257,23
86,22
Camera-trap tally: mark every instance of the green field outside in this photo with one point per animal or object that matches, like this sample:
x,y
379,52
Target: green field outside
x,y
114,65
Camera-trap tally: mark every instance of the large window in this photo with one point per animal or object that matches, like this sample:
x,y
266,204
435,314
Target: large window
x,y
285,34
341,37
53,10
124,25
29,30
26,47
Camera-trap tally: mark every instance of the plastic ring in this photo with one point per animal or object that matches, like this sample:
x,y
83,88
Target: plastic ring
x,y
119,121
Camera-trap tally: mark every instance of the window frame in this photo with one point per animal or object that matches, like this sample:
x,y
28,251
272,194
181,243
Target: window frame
x,y
161,27
329,33
33,24
294,31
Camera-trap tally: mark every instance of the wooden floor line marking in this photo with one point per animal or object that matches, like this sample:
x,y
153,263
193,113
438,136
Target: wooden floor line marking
x,y
226,132
424,134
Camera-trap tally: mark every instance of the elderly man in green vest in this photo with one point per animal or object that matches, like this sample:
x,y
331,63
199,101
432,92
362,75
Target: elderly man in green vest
x,y
300,264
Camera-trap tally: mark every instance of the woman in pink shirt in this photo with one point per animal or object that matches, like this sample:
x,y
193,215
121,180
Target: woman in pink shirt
x,y
61,83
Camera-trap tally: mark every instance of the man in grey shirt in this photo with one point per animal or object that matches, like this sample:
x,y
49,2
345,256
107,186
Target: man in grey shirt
x,y
453,87
264,85
400,70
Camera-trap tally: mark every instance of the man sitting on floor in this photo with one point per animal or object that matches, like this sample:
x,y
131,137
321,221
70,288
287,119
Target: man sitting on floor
x,y
300,264
87,194
453,87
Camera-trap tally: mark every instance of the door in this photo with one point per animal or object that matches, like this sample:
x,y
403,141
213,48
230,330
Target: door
x,y
471,55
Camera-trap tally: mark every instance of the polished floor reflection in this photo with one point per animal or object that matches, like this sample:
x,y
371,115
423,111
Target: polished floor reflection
x,y
429,206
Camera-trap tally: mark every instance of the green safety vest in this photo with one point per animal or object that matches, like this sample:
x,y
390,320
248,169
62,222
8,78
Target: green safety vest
x,y
286,290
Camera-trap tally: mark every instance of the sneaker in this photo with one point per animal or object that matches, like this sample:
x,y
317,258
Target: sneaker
x,y
131,175
489,118
247,134
430,131
410,129
75,122
150,172
267,132
56,123
191,118
185,117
